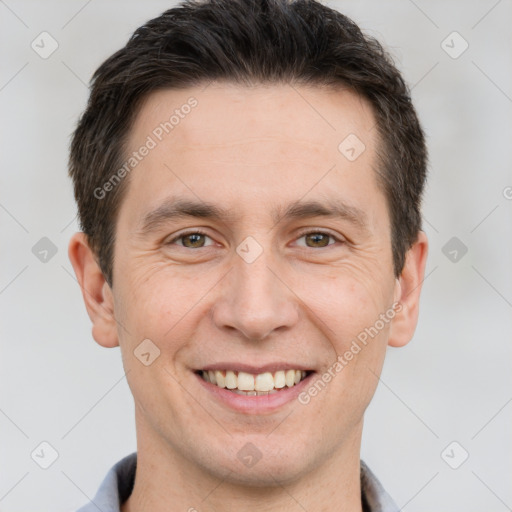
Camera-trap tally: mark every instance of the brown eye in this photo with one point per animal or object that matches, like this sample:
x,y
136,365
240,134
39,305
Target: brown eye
x,y
191,240
317,239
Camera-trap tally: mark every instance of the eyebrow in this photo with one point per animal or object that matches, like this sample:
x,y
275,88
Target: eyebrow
x,y
179,208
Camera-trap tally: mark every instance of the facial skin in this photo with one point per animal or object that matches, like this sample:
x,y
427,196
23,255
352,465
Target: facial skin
x,y
301,302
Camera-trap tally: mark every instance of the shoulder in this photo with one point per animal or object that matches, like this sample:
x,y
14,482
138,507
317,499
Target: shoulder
x,y
115,488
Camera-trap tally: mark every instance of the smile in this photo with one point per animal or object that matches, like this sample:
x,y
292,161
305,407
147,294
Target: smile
x,y
248,384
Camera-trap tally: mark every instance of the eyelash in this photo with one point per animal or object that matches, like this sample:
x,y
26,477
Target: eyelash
x,y
302,234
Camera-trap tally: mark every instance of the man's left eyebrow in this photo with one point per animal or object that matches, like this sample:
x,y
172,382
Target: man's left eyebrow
x,y
336,209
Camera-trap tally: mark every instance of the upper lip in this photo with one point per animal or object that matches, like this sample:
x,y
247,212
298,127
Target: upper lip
x,y
248,368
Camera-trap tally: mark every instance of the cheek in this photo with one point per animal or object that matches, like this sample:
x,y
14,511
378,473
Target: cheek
x,y
346,301
349,307
158,301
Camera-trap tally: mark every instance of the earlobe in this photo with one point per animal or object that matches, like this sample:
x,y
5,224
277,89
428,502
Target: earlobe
x,y
407,293
96,292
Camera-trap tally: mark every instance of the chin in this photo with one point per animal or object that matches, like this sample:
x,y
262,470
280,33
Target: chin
x,y
253,467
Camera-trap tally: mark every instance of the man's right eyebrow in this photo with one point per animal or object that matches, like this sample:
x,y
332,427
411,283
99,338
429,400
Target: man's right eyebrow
x,y
178,208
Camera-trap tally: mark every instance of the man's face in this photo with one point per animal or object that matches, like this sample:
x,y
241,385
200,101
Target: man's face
x,y
256,290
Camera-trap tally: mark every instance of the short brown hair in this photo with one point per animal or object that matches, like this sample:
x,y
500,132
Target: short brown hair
x,y
244,42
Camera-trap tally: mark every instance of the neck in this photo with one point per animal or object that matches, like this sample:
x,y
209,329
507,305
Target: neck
x,y
166,481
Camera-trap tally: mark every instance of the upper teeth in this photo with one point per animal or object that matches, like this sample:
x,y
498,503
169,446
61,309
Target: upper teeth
x,y
248,382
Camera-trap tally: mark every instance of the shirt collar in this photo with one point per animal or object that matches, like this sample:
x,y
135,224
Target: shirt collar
x,y
118,485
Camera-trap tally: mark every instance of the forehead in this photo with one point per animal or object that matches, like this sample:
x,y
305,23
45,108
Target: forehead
x,y
226,112
235,143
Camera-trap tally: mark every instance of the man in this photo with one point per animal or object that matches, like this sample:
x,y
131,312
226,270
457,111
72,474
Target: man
x,y
249,177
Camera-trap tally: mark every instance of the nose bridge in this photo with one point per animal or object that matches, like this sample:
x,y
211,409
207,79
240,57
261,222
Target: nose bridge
x,y
253,299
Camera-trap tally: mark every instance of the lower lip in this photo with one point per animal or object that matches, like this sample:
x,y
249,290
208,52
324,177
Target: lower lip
x,y
255,404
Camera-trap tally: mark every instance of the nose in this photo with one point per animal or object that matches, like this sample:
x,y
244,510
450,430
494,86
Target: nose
x,y
255,299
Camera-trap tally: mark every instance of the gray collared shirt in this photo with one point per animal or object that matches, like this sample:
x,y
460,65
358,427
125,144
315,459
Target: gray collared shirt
x,y
118,485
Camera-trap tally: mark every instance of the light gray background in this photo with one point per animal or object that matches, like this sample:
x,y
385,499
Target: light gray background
x,y
451,383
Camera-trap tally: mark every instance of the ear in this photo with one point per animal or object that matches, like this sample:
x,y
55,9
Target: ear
x,y
96,292
407,293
